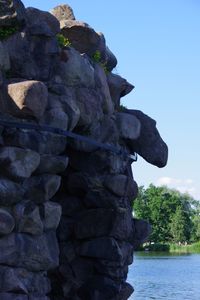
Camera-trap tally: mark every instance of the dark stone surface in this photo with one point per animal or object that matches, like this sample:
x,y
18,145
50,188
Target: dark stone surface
x,y
150,144
33,253
12,13
41,188
10,192
7,222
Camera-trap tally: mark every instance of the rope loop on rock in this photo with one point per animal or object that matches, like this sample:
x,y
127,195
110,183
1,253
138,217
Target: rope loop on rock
x,y
66,133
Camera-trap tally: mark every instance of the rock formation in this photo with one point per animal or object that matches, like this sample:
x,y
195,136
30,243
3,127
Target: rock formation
x,y
66,224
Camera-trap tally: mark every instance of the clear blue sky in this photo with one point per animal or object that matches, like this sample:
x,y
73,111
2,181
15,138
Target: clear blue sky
x,y
157,44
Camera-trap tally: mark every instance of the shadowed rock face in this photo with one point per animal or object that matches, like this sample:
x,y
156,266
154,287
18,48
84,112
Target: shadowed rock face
x,y
66,224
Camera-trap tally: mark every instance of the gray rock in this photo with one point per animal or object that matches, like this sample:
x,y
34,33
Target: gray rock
x,y
37,17
52,215
149,144
67,103
18,163
125,292
8,296
142,230
28,218
4,58
56,118
102,162
119,87
32,57
10,192
77,70
121,185
7,222
114,272
99,287
129,126
63,12
104,222
41,142
29,98
52,164
101,81
104,131
111,60
12,13
90,106
82,37
41,188
102,248
102,198
22,281
22,63
33,253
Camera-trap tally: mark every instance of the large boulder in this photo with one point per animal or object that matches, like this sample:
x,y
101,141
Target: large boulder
x,y
21,280
83,38
119,87
41,188
94,223
35,253
18,163
28,220
63,12
142,230
39,141
102,84
28,98
65,103
103,248
129,126
12,13
149,144
10,192
43,21
52,164
77,70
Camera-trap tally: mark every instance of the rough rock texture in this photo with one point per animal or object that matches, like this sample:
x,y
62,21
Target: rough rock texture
x,y
66,224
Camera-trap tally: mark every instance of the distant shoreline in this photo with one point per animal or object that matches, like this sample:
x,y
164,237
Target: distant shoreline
x,y
165,247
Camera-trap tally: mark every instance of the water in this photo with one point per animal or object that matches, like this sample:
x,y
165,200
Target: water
x,y
165,276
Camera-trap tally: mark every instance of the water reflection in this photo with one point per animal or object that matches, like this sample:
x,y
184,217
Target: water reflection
x,y
165,276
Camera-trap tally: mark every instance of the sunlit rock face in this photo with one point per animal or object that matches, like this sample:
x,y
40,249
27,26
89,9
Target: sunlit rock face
x,y
66,224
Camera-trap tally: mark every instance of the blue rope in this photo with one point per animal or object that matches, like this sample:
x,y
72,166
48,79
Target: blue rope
x,y
66,133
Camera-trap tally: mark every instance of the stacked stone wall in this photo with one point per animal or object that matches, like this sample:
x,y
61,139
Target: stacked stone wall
x,y
66,224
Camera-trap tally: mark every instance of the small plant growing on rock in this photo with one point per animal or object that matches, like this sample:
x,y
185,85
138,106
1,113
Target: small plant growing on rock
x,y
63,41
97,58
6,32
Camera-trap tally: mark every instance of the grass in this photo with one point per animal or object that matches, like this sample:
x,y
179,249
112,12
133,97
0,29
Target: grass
x,y
193,248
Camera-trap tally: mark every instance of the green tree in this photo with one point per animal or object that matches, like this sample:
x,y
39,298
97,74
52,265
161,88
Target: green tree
x,y
158,205
179,226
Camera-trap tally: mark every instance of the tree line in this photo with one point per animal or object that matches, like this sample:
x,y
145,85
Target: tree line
x,y
174,216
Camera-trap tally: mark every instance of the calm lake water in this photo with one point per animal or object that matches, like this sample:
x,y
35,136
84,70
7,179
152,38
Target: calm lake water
x,y
165,276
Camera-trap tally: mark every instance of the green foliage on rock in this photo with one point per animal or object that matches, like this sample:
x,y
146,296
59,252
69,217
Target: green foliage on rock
x,y
174,216
98,59
6,32
63,41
